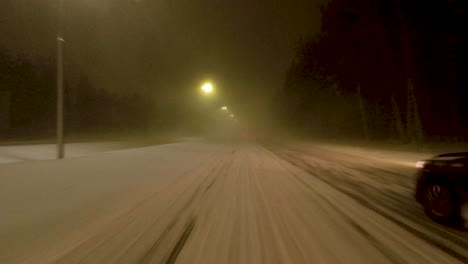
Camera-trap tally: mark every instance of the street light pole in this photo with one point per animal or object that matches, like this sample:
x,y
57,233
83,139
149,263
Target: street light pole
x,y
60,44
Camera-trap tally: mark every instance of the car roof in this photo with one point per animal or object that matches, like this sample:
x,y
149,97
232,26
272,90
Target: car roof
x,y
454,154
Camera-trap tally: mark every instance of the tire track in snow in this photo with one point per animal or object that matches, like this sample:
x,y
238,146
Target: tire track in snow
x,y
182,240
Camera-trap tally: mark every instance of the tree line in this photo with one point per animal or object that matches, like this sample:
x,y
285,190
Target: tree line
x,y
30,86
381,69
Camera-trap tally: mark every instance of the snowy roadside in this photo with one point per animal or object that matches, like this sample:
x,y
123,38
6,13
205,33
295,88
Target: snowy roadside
x,y
9,154
35,152
389,152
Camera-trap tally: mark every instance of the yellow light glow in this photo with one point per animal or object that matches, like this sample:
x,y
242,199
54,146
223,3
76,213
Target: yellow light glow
x,y
207,88
224,108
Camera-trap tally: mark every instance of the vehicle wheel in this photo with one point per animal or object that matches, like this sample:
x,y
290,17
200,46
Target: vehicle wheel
x,y
440,203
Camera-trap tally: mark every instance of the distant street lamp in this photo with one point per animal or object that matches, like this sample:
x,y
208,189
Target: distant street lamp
x,y
207,88
60,42
224,108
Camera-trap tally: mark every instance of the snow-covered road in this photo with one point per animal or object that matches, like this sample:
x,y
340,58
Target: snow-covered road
x,y
220,203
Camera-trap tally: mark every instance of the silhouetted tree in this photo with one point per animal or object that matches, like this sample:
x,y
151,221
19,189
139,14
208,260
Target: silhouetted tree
x,y
32,90
402,65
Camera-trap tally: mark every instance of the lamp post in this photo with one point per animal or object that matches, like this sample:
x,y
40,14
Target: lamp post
x,y
60,44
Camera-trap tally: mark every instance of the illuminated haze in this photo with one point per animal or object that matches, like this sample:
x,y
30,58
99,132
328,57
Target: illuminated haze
x,y
166,48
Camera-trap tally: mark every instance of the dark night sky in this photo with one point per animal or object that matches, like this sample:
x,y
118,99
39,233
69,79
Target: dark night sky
x,y
169,47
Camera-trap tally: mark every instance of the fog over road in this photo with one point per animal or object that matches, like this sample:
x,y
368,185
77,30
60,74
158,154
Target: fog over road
x,y
202,202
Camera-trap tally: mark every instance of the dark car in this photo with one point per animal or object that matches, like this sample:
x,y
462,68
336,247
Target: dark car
x,y
442,186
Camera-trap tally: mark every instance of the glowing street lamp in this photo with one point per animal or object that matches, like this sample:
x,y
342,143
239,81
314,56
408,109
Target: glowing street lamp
x,y
224,108
207,88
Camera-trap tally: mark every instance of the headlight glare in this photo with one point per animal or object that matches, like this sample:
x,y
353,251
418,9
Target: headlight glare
x,y
420,164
